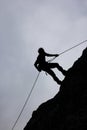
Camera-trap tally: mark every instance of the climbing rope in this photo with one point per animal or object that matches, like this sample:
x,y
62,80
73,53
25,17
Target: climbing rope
x,y
26,101
37,79
67,50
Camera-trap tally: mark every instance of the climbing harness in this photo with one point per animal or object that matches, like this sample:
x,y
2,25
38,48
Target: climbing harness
x,y
37,79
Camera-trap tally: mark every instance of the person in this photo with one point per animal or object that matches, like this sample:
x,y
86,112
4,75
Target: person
x,y
42,65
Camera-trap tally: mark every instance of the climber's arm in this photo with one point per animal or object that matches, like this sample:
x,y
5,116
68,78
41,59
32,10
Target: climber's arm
x,y
36,64
49,55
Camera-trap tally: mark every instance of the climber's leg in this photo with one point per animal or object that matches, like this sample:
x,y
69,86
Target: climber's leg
x,y
56,65
49,71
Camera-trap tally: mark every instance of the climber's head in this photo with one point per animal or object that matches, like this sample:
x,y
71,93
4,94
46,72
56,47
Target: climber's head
x,y
41,50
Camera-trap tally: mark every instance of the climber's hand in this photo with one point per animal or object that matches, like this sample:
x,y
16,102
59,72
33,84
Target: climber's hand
x,y
56,55
39,69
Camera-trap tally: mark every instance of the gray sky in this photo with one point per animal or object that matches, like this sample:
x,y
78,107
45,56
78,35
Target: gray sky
x,y
26,25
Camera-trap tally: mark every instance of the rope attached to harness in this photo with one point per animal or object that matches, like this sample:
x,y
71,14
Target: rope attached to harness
x,y
26,101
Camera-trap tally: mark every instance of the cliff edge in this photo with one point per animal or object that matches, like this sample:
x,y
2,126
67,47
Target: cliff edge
x,y
68,109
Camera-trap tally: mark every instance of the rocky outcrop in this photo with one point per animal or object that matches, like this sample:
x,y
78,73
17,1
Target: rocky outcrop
x,y
68,109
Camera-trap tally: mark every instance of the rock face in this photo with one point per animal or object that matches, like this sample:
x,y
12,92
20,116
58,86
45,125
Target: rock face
x,y
68,109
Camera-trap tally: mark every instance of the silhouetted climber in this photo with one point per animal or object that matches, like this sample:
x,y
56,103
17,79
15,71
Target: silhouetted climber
x,y
42,64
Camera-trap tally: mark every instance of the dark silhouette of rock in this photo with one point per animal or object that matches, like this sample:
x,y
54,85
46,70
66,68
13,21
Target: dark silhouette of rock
x,y
68,109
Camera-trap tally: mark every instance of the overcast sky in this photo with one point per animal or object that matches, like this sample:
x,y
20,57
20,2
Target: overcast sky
x,y
26,25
